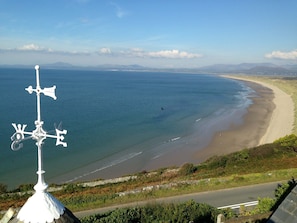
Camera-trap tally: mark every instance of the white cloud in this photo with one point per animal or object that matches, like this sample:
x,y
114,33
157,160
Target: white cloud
x,y
140,53
292,55
104,55
105,50
35,48
30,47
170,54
173,54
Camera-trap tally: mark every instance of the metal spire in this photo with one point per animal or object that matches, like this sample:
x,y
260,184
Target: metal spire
x,y
39,135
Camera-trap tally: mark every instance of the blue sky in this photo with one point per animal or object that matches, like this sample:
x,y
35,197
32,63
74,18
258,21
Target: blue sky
x,y
153,33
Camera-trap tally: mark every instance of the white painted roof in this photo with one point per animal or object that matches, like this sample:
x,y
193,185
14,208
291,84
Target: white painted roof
x,y
41,207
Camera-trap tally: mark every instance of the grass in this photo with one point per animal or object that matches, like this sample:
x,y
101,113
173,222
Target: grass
x,y
278,162
267,163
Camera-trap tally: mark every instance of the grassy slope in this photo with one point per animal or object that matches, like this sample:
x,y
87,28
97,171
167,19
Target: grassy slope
x,y
266,163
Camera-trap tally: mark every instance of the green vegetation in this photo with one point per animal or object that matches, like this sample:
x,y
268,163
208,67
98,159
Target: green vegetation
x,y
267,163
282,191
3,188
274,156
187,169
191,211
184,212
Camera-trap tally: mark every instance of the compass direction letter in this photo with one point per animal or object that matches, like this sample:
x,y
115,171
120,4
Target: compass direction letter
x,y
18,136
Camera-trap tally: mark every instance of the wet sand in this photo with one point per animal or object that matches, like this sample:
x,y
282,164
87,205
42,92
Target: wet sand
x,y
270,117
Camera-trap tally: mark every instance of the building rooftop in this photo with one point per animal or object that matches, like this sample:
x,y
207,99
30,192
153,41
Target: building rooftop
x,y
287,210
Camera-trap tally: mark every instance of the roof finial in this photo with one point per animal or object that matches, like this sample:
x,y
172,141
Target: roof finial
x,y
55,208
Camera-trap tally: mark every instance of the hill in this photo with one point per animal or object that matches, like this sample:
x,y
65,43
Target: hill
x,y
243,68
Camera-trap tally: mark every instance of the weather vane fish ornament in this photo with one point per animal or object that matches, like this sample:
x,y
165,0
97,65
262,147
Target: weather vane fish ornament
x,y
44,205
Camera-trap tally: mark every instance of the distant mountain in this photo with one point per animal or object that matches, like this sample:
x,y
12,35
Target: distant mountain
x,y
235,67
269,70
121,67
61,65
244,68
292,67
16,66
58,65
251,68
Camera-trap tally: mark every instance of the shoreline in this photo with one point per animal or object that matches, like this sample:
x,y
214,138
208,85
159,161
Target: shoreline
x,y
263,122
271,116
282,120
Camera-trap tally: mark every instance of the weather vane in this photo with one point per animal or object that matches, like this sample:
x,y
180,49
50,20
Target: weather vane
x,y
39,135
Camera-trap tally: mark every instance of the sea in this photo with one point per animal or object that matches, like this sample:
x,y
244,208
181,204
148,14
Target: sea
x,y
117,122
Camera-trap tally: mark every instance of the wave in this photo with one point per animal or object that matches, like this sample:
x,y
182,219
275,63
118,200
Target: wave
x,y
174,139
245,95
168,141
157,156
115,162
197,120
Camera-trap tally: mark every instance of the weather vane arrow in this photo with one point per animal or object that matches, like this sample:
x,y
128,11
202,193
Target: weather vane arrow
x,y
39,135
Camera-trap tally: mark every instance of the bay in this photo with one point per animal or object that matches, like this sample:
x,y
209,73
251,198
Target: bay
x,y
112,118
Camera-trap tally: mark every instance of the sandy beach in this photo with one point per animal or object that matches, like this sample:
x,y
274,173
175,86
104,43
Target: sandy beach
x,y
270,117
282,119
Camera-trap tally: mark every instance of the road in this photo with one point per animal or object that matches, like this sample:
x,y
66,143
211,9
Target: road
x,y
216,198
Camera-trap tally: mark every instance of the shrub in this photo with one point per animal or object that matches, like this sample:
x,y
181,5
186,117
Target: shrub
x,y
217,162
265,205
282,191
25,187
289,141
3,188
189,211
241,156
187,169
71,188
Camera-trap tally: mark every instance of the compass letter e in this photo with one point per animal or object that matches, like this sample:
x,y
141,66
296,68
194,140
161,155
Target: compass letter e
x,y
60,137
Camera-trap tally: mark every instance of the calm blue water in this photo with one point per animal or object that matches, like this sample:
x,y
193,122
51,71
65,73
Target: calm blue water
x,y
111,118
